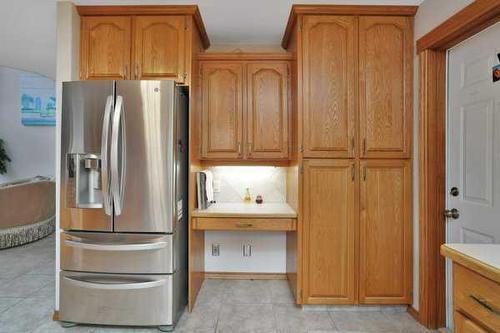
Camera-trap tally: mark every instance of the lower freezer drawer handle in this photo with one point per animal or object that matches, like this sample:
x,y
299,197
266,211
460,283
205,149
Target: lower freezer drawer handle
x,y
116,247
114,286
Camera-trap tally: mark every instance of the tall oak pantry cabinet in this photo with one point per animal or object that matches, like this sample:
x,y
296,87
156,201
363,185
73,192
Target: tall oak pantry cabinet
x,y
352,83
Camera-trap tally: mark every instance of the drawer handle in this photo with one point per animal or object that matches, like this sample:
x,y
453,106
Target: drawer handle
x,y
244,225
485,304
116,247
113,286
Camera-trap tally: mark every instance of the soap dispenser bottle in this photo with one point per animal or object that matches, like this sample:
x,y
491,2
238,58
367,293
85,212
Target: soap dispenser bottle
x,y
248,197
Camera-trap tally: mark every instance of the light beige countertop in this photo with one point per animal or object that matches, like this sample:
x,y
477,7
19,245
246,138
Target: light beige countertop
x,y
265,210
482,258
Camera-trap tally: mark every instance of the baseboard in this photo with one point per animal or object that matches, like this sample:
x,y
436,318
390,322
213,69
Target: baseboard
x,y
245,276
444,330
55,316
414,313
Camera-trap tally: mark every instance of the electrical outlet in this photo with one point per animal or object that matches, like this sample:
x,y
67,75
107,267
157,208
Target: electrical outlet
x,y
247,250
215,250
216,185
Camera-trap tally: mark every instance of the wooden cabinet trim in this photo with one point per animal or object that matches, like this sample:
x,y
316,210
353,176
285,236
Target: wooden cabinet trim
x,y
191,10
298,10
243,56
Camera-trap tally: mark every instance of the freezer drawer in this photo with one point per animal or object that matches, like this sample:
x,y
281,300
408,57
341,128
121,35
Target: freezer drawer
x,y
117,253
113,299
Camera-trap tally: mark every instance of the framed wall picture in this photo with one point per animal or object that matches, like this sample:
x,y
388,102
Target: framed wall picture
x,y
37,100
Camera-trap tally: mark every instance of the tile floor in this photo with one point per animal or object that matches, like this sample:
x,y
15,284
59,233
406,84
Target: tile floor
x,y
223,306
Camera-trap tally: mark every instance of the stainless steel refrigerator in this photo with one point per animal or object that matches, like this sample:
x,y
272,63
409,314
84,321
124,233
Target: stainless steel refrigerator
x,y
124,169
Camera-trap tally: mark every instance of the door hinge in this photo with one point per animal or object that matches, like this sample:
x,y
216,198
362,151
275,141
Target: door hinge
x,y
353,172
184,76
301,168
301,149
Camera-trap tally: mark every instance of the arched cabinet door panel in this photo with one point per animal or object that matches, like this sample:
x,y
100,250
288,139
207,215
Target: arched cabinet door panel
x,y
159,47
267,111
329,69
385,86
222,110
105,48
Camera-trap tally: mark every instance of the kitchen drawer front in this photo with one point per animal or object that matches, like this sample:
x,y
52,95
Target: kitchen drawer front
x,y
117,253
477,297
465,325
113,299
244,224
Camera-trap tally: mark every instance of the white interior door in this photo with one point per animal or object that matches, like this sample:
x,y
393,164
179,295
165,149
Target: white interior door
x,y
473,143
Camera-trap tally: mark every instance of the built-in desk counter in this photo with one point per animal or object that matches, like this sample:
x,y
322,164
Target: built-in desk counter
x,y
241,216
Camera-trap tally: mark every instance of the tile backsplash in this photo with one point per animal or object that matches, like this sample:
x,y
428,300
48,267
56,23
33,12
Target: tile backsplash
x,y
231,182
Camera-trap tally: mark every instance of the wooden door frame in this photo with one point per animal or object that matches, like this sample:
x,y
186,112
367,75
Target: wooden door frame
x,y
432,49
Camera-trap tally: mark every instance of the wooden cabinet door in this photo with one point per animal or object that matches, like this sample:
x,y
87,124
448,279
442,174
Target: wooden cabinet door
x,y
267,110
222,110
385,86
465,325
105,48
159,47
385,232
329,51
329,231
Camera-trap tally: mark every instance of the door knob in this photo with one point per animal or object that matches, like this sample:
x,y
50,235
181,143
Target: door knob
x,y
451,213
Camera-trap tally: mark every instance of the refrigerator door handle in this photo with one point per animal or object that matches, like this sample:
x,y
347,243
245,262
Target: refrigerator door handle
x,y
118,158
116,247
106,196
80,282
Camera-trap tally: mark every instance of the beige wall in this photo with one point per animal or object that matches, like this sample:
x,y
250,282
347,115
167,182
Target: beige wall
x,y
430,14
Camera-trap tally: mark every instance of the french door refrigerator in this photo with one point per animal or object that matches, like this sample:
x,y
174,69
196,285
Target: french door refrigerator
x,y
124,169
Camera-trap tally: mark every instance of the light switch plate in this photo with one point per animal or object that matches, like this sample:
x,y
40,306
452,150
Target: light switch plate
x,y
215,250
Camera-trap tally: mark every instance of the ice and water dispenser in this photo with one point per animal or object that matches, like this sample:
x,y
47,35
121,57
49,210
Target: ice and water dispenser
x,y
83,181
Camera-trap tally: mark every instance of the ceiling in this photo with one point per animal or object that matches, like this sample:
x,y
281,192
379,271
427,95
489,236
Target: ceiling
x,y
246,21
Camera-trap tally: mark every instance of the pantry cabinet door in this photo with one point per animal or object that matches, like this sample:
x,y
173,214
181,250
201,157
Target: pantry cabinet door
x,y
330,215
159,47
267,111
329,50
105,48
385,232
222,110
385,86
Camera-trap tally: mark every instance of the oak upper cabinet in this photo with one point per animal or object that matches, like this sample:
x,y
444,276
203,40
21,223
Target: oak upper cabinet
x,y
267,110
159,47
330,215
329,78
385,232
385,81
244,112
222,110
141,42
105,47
